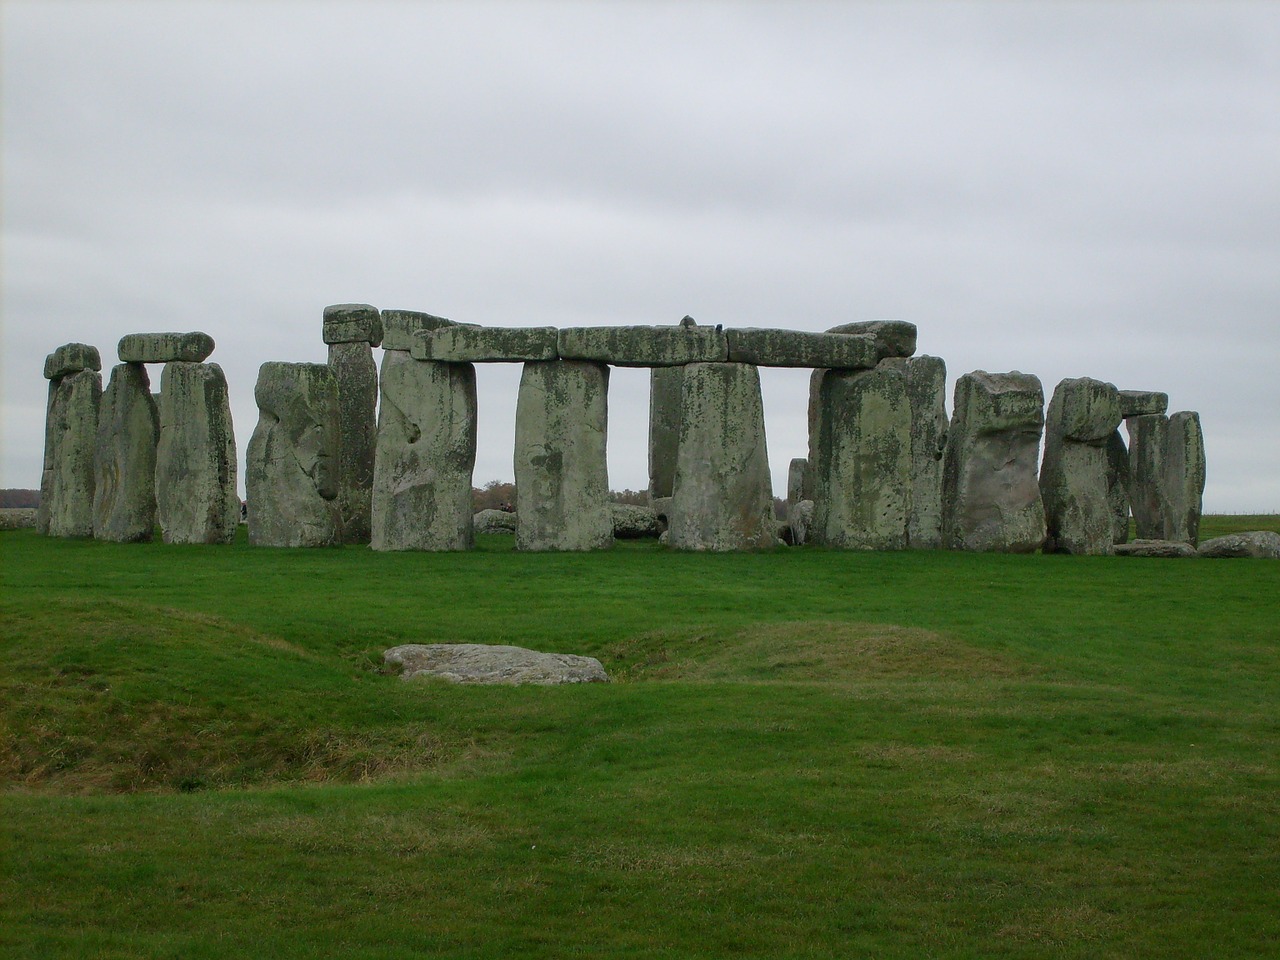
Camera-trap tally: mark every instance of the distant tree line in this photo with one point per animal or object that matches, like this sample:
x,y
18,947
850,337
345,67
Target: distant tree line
x,y
19,498
501,495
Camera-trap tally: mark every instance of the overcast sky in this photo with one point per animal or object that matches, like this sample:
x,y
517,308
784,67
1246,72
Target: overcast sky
x,y
1064,189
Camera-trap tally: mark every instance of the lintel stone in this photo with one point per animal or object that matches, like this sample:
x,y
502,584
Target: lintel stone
x,y
352,323
399,327
801,348
467,344
1142,403
71,358
193,347
894,338
644,346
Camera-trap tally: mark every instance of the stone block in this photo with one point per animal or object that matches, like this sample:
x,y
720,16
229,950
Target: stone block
x,y
926,396
357,378
665,384
1185,477
644,346
1254,544
124,471
1142,403
893,338
1163,549
71,358
399,327
462,343
561,469
1148,498
798,483
193,347
1118,486
291,473
799,348
71,426
352,323
1075,474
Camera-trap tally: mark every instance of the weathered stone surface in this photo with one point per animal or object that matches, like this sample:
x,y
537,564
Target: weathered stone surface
x,y
357,378
462,343
400,327
1166,475
798,480
193,347
1148,442
1074,477
644,346
562,474
1185,477
722,498
71,426
800,519
665,384
426,453
632,522
352,323
893,338
1142,403
927,397
991,496
291,473
18,518
862,467
196,498
1257,544
1118,486
493,664
1155,548
799,348
124,466
494,521
71,358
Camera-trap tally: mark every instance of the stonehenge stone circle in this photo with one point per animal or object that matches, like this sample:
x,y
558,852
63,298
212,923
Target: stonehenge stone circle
x,y
291,473
862,461
192,347
71,427
426,452
196,498
562,474
722,496
124,463
927,398
1075,474
991,494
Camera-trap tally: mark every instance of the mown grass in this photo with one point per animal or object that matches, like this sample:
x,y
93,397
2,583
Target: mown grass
x,y
805,753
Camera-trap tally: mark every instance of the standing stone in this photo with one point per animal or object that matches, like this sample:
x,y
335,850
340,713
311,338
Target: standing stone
x,y
71,426
991,497
798,492
561,469
927,397
352,330
124,471
664,429
425,455
1148,442
291,473
1074,477
862,474
797,480
1118,487
722,498
1185,476
196,499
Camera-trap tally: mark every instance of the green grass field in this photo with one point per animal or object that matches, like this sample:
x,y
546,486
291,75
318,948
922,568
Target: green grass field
x,y
805,754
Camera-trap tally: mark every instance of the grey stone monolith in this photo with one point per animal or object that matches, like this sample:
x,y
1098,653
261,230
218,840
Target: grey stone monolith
x,y
71,426
927,397
1148,442
990,494
124,464
722,497
1075,473
561,470
357,378
1118,486
426,454
1185,477
862,460
196,498
193,347
798,480
664,429
292,462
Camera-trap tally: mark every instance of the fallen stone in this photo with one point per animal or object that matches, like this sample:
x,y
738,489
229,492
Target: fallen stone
x,y
493,664
644,346
798,348
1074,476
927,397
1256,544
124,465
665,384
461,343
1142,403
71,427
1154,548
400,327
192,347
352,323
561,466
893,338
722,499
426,454
291,473
991,494
633,522
196,497
494,521
71,358
357,378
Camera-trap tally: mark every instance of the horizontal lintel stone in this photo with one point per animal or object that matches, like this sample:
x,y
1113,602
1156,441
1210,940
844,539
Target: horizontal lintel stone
x,y
399,327
352,323
644,346
1142,403
467,344
193,347
894,338
801,348
71,358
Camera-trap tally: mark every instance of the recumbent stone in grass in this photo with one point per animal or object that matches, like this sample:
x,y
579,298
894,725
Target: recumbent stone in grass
x,y
124,470
1256,544
1155,548
493,664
